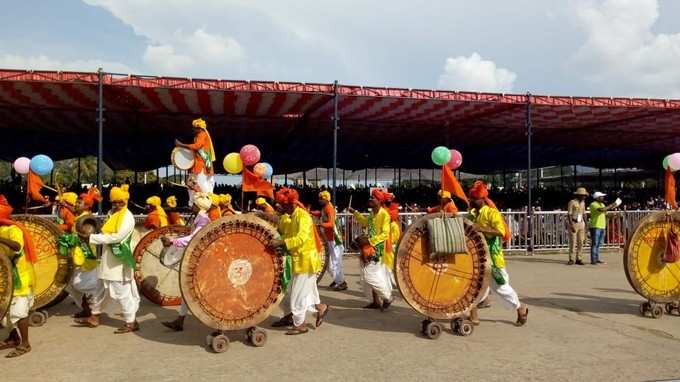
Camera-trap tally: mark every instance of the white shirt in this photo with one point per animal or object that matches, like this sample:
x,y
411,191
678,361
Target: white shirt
x,y
110,268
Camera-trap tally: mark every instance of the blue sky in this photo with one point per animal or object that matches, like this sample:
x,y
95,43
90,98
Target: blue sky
x,y
570,47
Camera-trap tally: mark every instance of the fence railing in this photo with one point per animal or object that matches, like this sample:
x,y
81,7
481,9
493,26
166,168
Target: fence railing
x,y
549,228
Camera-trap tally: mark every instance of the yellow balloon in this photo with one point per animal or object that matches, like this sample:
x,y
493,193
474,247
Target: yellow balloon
x,y
232,163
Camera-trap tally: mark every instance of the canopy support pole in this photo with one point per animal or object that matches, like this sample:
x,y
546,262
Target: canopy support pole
x,y
335,140
530,212
100,134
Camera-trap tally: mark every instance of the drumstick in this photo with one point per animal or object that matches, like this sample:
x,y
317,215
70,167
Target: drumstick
x,y
179,185
137,205
51,189
349,205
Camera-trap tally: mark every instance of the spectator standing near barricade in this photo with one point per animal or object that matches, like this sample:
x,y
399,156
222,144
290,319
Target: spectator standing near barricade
x,y
577,225
598,225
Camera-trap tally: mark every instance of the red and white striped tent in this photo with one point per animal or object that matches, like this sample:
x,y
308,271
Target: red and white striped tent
x,y
55,113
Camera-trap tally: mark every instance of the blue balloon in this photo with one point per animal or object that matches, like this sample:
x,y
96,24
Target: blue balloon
x,y
270,171
41,164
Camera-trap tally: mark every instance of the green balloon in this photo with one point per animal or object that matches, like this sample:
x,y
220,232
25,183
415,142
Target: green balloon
x,y
441,155
665,162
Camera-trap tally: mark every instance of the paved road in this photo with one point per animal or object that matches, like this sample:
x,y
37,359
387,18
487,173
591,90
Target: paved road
x,y
583,325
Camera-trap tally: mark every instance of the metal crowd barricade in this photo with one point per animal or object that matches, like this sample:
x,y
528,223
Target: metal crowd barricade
x,y
549,228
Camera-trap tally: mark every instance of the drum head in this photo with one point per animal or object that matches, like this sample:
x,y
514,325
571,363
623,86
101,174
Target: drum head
x,y
444,288
182,158
643,262
6,282
229,279
157,282
52,271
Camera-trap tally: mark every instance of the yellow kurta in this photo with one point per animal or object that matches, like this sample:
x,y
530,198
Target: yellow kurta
x,y
79,259
491,218
298,234
395,234
24,267
380,230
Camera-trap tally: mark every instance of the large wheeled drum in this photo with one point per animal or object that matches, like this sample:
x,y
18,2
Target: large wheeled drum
x,y
444,288
52,271
229,279
158,282
6,282
652,278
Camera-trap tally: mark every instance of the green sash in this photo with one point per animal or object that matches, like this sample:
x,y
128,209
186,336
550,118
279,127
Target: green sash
x,y
70,240
123,251
495,249
206,158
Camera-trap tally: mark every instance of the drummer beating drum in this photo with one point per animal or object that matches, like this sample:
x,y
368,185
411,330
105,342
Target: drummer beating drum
x,y
204,156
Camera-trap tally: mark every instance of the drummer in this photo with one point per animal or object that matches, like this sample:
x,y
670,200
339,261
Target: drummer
x,y
395,235
65,211
174,217
201,205
225,205
376,284
156,217
488,221
116,283
299,238
204,155
22,254
262,205
214,212
446,204
332,240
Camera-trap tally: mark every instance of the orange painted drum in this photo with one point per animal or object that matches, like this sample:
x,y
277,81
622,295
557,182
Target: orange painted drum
x,y
6,282
156,281
229,279
52,272
446,287
643,263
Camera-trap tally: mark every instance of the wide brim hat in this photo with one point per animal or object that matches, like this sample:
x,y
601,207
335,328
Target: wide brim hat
x,y
581,191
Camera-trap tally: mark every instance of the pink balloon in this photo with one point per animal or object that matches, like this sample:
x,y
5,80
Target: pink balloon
x,y
22,165
456,160
260,169
250,155
674,162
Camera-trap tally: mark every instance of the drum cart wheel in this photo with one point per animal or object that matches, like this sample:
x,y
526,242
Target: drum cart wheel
x,y
672,307
218,342
37,318
657,311
257,336
462,327
431,329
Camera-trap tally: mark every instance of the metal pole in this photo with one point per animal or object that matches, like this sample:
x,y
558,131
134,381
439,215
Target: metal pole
x,y
335,140
599,178
375,173
100,139
366,177
79,183
530,212
575,178
399,179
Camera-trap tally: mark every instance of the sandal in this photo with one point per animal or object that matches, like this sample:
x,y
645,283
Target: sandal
x,y
85,322
522,318
321,316
127,328
19,351
295,331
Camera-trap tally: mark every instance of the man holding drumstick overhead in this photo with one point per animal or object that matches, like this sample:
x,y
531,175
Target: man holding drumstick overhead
x,y
204,156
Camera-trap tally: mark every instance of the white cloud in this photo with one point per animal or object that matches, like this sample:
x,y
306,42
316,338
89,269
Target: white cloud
x,y
42,62
622,52
475,74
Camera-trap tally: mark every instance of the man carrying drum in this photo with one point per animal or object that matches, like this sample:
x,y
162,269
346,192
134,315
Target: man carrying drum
x,y
65,211
332,240
204,156
174,250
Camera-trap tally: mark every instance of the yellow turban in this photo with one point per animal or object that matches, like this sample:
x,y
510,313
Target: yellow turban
x,y
154,201
260,201
69,197
200,123
325,195
120,194
214,199
225,199
171,201
444,194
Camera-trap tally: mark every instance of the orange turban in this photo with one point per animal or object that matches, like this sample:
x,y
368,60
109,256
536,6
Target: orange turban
x,y
90,197
394,211
479,190
5,208
287,196
381,195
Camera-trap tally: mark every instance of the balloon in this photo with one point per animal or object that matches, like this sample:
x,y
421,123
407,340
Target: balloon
x,y
259,170
41,164
674,161
232,163
441,155
664,164
456,159
269,171
250,155
22,165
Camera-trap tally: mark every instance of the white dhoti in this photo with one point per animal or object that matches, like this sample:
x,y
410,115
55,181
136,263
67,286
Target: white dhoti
x,y
19,309
82,284
335,253
505,291
304,296
374,277
390,276
122,293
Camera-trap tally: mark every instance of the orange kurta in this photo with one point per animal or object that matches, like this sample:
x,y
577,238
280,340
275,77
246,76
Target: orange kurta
x,y
214,213
69,219
174,218
201,141
153,221
328,225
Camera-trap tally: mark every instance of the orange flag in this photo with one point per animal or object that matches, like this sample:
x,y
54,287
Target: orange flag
x,y
450,184
35,184
669,188
253,183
